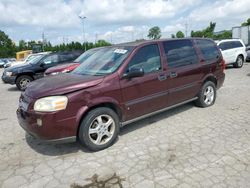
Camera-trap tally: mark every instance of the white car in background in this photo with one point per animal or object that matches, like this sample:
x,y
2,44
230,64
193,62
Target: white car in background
x,y
233,51
26,60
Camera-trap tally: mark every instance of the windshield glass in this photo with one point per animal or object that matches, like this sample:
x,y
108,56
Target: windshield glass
x,y
85,56
36,59
103,61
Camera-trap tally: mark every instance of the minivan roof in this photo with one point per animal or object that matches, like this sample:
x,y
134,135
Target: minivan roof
x,y
137,43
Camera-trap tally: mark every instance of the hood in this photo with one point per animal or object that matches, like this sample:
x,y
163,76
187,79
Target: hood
x,y
60,68
61,84
18,66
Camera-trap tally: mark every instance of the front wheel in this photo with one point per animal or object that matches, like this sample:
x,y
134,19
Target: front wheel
x,y
207,95
99,129
23,81
239,62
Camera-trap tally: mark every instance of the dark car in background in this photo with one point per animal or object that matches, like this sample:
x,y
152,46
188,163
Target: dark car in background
x,y
23,74
118,85
68,67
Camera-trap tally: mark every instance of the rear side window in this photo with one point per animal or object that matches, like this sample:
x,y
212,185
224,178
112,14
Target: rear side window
x,y
66,57
208,49
236,44
180,53
148,58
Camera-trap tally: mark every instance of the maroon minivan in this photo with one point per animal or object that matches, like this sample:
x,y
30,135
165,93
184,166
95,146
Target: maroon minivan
x,y
118,85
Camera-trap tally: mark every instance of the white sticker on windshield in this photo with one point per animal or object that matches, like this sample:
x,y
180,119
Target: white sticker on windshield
x,y
120,51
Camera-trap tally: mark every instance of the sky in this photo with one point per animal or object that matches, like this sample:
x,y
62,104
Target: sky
x,y
116,21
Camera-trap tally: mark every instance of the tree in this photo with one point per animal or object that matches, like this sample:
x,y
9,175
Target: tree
x,y
208,32
7,47
180,34
173,36
22,45
223,35
154,33
246,23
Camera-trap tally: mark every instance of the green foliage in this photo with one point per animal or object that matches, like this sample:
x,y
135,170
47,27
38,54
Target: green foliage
x,y
224,35
7,47
173,36
208,32
246,23
154,33
180,34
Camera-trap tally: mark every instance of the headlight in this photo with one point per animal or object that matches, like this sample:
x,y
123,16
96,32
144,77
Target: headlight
x,y
65,71
8,73
54,73
51,104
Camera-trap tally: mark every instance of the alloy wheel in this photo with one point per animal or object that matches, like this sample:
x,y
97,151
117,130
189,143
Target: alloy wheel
x,y
102,129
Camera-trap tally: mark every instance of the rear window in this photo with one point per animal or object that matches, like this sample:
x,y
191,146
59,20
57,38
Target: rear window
x,y
180,53
208,49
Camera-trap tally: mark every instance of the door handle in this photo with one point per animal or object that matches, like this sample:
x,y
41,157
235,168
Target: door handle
x,y
162,77
173,74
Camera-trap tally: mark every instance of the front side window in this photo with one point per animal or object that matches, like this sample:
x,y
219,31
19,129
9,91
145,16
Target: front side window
x,y
51,59
104,61
208,49
180,53
148,58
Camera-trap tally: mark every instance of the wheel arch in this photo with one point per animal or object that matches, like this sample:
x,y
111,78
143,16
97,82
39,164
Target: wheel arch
x,y
86,109
25,74
211,78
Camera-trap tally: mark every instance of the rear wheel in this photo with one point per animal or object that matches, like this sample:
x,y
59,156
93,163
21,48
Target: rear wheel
x,y
23,81
99,129
239,62
207,95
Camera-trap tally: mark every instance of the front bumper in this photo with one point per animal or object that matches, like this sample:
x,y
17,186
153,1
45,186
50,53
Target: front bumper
x,y
53,128
9,79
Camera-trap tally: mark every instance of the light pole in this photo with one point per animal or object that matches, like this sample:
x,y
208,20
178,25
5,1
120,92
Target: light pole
x,y
83,31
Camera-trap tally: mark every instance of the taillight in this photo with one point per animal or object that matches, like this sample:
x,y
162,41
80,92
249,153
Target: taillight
x,y
223,65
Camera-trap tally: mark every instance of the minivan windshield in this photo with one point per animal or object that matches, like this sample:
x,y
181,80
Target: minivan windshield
x,y
103,61
84,56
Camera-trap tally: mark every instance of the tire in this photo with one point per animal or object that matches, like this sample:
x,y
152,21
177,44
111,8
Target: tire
x,y
207,95
95,121
239,62
22,81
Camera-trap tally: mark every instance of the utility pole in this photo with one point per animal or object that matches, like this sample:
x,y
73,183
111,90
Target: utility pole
x,y
43,41
186,29
96,38
83,31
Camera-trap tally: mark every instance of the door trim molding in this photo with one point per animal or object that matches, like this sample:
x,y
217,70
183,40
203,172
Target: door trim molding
x,y
156,112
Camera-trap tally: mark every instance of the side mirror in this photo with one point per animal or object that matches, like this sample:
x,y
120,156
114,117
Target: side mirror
x,y
134,72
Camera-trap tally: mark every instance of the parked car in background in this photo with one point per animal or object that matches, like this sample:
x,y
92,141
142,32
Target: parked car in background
x,y
23,74
233,51
248,53
27,59
68,67
118,85
5,61
2,63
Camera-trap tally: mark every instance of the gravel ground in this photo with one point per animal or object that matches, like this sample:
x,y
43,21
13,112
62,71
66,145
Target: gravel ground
x,y
184,147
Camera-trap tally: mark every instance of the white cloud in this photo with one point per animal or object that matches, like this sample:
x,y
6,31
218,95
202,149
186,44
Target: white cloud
x,y
116,20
